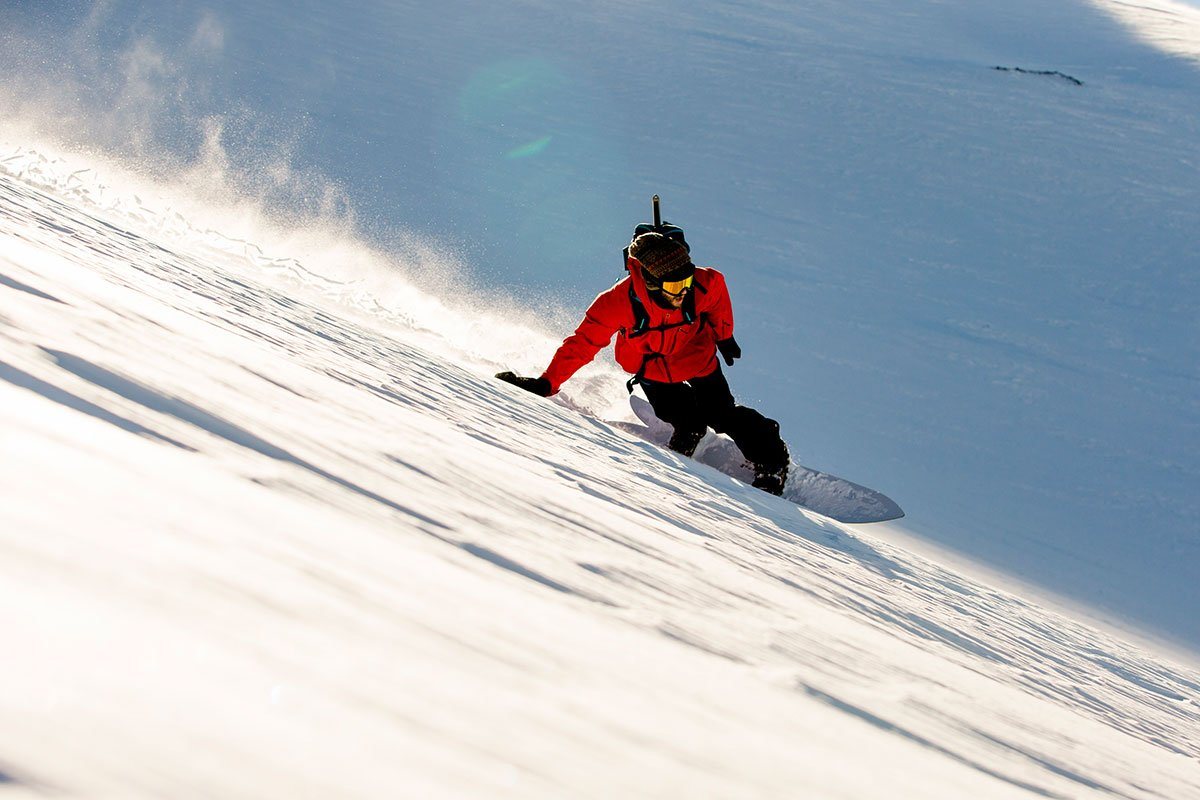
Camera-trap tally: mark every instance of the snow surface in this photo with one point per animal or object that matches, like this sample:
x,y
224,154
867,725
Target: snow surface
x,y
266,536
268,529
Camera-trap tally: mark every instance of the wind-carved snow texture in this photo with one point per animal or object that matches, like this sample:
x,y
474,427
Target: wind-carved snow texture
x,y
260,544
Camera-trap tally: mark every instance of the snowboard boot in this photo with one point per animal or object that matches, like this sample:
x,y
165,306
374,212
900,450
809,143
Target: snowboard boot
x,y
685,441
769,478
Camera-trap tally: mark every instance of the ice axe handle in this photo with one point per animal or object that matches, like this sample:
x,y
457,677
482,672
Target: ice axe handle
x,y
657,212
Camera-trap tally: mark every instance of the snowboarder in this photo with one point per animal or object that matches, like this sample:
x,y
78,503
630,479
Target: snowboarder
x,y
671,319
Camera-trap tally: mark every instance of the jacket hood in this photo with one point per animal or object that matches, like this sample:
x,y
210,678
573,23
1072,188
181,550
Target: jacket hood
x,y
638,276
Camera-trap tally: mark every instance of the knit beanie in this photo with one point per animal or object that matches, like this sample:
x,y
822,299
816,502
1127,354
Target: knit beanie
x,y
662,258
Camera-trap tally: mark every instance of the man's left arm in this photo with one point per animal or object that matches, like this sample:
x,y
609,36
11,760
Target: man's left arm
x,y
720,315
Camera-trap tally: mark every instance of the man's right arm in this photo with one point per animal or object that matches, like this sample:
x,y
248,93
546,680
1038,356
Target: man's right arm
x,y
602,320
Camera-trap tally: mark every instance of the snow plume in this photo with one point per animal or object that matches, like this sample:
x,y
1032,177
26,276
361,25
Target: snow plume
x,y
150,103
420,286
129,132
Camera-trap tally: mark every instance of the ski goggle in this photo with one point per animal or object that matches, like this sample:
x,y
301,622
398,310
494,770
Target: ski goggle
x,y
676,288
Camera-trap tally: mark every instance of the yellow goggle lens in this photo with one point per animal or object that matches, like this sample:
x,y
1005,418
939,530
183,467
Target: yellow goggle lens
x,y
677,287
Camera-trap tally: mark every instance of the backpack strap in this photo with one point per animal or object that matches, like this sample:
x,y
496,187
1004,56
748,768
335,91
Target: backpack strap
x,y
641,326
641,317
641,373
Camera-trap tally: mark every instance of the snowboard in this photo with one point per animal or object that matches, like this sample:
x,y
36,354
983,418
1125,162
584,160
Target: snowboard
x,y
825,494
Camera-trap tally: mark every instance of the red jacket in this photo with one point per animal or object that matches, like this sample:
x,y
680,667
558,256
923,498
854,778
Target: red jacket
x,y
671,355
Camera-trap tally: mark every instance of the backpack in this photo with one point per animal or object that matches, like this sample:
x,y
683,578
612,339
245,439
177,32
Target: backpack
x,y
665,228
658,226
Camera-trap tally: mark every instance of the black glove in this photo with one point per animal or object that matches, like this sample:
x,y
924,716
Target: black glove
x,y
539,386
729,350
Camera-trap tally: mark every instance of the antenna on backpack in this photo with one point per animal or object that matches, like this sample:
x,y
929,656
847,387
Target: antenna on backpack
x,y
644,228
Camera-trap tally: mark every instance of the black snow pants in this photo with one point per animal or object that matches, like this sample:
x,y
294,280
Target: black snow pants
x,y
694,406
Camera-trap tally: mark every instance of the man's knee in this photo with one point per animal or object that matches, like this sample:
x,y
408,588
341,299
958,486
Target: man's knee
x,y
742,419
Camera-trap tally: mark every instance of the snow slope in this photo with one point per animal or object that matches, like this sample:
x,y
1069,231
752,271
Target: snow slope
x,y
973,289
266,534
